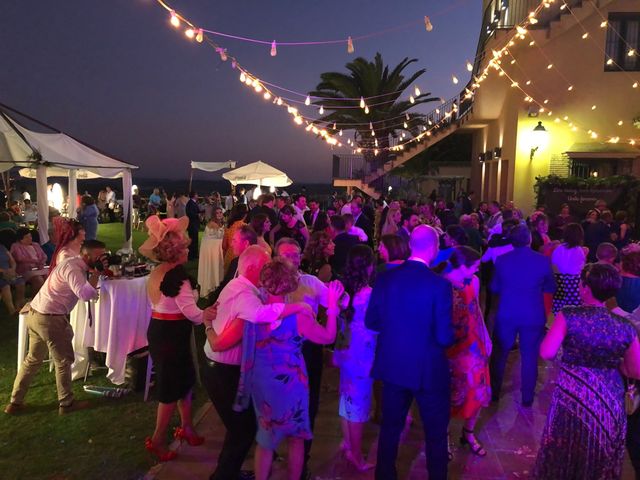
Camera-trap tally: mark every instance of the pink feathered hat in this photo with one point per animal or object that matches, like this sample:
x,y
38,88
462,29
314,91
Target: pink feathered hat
x,y
158,229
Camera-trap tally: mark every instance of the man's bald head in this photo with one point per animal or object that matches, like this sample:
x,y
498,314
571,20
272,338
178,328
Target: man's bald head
x,y
424,242
251,262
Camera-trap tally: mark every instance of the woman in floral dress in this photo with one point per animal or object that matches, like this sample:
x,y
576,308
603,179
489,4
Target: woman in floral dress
x,y
469,355
274,373
584,436
355,359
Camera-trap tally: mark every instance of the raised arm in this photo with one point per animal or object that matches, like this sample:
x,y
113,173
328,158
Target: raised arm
x,y
554,337
312,330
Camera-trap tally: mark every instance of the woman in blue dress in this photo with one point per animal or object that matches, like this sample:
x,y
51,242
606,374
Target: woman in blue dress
x,y
274,373
89,217
355,351
584,436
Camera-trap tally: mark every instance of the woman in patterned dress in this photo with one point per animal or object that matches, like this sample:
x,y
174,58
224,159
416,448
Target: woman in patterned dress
x,y
568,260
356,358
584,436
274,371
469,355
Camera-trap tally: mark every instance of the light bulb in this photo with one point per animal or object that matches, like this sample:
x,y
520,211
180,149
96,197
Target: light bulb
x,y
175,21
199,36
454,79
279,101
362,104
258,88
585,35
308,127
307,100
610,61
321,111
373,134
406,115
620,123
550,66
631,52
427,24
635,85
603,24
370,126
267,95
334,125
340,133
298,119
350,48
546,101
417,91
375,152
366,109
593,107
469,66
405,125
274,50
570,87
411,99
189,33
243,77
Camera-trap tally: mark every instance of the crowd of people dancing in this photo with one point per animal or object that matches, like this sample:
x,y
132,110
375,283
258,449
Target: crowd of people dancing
x,y
415,301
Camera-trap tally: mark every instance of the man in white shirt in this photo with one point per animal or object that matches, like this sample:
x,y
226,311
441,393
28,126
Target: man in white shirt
x,y
300,206
111,204
238,302
49,328
353,230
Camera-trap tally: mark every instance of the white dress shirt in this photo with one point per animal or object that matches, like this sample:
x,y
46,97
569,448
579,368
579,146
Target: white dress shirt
x,y
311,291
63,287
240,299
358,232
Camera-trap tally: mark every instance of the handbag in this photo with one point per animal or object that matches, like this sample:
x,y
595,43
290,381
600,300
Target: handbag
x,y
631,396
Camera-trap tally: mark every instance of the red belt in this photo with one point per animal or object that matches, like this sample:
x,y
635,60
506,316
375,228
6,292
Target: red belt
x,y
167,316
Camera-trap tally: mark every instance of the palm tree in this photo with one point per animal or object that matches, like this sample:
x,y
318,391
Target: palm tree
x,y
339,95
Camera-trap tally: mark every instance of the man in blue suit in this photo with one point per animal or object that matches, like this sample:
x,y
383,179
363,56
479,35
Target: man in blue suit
x,y
411,308
521,279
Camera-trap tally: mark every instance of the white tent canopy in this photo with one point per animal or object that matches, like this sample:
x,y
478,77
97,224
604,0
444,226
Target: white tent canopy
x,y
59,155
212,166
258,173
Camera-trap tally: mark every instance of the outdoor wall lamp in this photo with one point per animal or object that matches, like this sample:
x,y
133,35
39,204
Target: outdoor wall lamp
x,y
539,139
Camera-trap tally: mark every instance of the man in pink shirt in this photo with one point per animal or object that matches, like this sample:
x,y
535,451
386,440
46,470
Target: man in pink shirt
x,y
49,328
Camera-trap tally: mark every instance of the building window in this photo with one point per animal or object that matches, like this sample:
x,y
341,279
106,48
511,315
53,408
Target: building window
x,y
623,34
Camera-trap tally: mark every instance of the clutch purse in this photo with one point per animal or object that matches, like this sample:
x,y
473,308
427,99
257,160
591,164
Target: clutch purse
x,y
631,397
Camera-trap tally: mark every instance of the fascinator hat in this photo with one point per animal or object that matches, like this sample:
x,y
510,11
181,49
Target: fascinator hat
x,y
158,230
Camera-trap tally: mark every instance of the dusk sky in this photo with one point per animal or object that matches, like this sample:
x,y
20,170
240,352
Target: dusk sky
x,y
115,74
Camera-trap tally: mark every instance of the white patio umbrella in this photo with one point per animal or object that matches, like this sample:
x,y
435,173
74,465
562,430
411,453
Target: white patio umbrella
x,y
258,173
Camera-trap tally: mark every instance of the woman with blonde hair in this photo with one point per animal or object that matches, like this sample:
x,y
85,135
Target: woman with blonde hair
x,y
390,227
173,313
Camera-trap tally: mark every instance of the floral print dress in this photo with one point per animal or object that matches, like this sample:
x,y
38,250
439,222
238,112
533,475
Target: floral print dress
x,y
274,375
468,356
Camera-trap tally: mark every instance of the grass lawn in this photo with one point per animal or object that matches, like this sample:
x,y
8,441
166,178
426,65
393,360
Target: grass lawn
x,y
103,442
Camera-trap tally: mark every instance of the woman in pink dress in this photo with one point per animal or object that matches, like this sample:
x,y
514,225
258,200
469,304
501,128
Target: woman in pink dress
x,y
30,259
469,355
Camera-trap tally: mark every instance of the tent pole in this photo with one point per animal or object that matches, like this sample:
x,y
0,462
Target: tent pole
x,y
190,181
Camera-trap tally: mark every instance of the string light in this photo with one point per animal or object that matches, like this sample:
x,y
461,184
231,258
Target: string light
x,y
454,79
175,21
274,49
362,104
350,48
199,36
321,111
366,109
469,66
307,101
427,24
417,91
411,99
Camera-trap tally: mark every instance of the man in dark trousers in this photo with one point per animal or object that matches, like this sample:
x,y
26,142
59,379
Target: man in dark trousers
x,y
193,212
343,243
411,308
361,220
521,278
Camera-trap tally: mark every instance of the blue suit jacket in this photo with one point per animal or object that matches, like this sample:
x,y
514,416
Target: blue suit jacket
x,y
520,279
411,307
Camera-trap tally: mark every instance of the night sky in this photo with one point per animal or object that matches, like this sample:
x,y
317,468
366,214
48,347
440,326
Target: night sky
x,y
115,74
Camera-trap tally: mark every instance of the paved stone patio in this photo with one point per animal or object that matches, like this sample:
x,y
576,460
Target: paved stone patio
x,y
510,434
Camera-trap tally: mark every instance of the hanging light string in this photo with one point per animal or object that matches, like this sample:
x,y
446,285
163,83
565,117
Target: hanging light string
x,y
631,52
605,24
453,6
193,32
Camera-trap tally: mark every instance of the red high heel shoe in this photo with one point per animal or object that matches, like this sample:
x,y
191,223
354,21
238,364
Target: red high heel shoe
x,y
163,455
181,434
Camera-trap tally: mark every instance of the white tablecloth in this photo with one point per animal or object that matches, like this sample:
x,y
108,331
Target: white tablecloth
x,y
120,321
